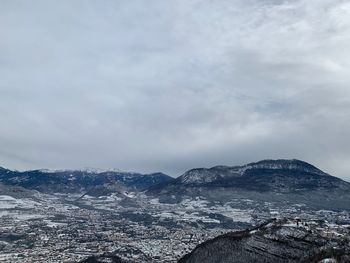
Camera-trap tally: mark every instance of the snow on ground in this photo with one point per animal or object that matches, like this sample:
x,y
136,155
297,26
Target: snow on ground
x,y
50,223
238,215
8,202
154,201
130,194
194,204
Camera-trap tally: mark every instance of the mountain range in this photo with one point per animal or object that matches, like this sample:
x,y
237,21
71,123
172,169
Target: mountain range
x,y
115,216
267,180
75,181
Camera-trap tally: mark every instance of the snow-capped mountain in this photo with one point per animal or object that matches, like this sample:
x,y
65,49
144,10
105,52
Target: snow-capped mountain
x,y
270,180
218,173
111,212
77,180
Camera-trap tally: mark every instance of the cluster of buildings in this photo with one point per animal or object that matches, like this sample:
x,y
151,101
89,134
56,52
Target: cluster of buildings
x,y
59,229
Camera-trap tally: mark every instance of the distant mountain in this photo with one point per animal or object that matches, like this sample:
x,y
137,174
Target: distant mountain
x,y
284,181
275,241
270,180
73,181
267,175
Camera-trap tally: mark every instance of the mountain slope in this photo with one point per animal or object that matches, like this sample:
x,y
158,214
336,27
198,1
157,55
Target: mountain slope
x,y
275,241
15,191
77,181
267,175
267,180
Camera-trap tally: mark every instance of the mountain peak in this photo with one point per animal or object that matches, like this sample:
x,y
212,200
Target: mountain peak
x,y
224,173
287,164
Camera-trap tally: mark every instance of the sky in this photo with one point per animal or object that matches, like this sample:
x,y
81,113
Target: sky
x,y
171,85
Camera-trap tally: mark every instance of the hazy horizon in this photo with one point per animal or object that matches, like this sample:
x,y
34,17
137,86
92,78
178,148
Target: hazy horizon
x,y
115,169
172,85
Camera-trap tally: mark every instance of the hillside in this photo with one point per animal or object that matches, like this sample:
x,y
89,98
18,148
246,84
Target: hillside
x,y
75,181
275,241
267,180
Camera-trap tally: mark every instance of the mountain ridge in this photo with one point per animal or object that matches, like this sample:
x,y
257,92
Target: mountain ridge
x,y
293,164
276,240
265,176
269,180
77,180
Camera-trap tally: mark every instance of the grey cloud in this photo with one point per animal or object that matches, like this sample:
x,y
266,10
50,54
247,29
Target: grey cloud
x,y
171,85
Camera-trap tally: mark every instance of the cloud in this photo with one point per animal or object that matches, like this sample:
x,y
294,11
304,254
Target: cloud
x,y
174,85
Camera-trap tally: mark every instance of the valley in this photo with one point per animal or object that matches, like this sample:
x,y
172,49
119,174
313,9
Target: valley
x,y
144,225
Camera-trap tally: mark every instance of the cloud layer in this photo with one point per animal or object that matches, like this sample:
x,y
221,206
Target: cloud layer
x,y
171,85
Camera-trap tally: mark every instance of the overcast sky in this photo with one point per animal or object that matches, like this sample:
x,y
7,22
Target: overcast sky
x,y
171,85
